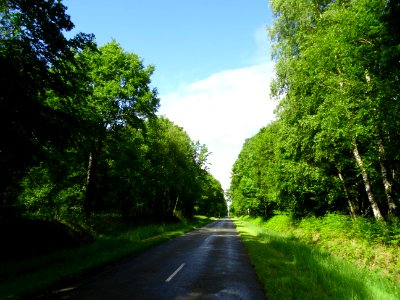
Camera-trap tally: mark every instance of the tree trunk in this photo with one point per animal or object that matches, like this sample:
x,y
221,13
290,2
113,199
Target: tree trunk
x,y
89,185
371,198
176,204
91,178
89,170
353,213
386,180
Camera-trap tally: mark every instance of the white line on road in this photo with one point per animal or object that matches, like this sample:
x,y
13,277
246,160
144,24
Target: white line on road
x,y
173,274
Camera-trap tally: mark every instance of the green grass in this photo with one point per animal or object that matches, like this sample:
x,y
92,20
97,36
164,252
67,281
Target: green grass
x,y
295,267
362,241
21,279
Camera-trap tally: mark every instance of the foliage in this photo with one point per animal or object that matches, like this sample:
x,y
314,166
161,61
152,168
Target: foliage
x,y
360,241
293,267
212,201
81,134
35,58
334,147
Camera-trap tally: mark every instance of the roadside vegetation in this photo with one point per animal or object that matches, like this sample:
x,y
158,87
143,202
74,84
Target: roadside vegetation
x,y
322,258
330,161
82,140
81,131
111,239
334,147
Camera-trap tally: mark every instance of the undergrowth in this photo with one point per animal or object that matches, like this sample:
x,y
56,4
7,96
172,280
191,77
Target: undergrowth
x,y
323,258
362,241
113,240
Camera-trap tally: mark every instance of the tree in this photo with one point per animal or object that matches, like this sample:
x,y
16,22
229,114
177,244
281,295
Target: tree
x,y
331,80
35,58
253,190
337,72
121,98
172,170
211,201
80,134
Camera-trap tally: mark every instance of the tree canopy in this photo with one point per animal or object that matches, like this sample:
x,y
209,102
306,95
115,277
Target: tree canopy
x,y
334,147
35,58
80,130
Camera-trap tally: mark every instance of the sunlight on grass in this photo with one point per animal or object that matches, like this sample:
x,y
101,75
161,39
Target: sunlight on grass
x,y
291,269
21,278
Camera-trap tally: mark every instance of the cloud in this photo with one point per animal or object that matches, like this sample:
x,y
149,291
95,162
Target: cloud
x,y
222,111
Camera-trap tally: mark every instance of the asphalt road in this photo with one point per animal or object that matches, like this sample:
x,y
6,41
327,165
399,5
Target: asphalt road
x,y
208,263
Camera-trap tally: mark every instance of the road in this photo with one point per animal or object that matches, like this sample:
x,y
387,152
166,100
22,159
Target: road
x,y
208,263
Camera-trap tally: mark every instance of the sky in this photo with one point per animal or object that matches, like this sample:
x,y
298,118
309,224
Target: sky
x,y
212,63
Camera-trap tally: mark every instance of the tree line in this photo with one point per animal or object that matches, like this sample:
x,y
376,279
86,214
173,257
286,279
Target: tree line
x,y
80,134
334,146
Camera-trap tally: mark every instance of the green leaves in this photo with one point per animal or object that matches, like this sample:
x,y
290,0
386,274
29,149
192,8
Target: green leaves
x,y
334,88
120,84
35,60
81,131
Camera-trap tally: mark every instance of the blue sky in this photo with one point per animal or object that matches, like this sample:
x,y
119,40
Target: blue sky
x,y
212,62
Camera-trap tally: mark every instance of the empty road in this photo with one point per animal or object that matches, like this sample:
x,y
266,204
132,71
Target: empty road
x,y
208,263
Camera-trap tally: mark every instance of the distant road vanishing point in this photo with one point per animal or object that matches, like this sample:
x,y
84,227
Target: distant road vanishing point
x,y
208,263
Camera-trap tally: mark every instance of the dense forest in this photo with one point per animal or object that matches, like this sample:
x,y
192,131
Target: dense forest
x,y
80,134
334,147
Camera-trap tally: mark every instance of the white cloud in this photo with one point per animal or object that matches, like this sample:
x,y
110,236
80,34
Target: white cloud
x,y
223,110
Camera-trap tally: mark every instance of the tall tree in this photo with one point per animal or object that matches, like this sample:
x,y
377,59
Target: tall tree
x,y
337,73
35,58
329,73
121,97
173,170
211,201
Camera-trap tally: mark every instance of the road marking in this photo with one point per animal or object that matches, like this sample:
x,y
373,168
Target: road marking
x,y
176,272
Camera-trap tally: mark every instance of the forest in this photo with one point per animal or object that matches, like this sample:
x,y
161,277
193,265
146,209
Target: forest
x,y
80,133
334,146
90,174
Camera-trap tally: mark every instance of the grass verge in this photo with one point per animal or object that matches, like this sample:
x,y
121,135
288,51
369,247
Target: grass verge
x,y
292,268
22,279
